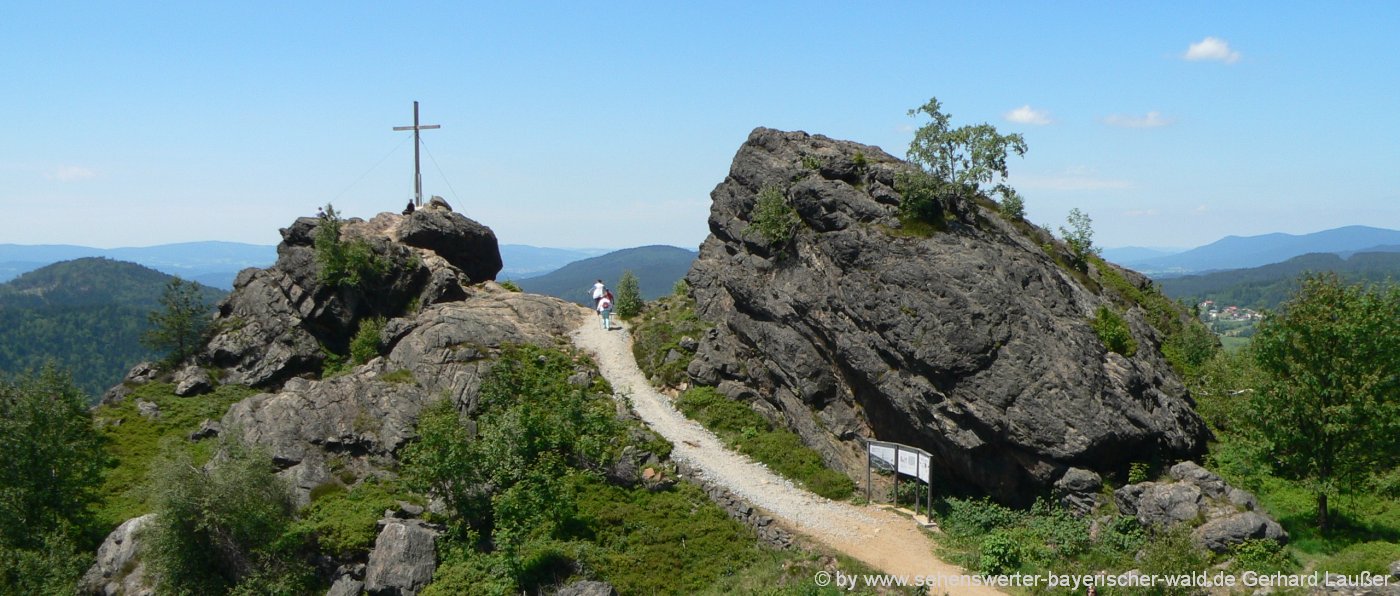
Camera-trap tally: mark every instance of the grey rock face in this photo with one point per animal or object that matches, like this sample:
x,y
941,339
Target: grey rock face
x,y
1168,504
403,559
466,244
117,569
1220,534
972,343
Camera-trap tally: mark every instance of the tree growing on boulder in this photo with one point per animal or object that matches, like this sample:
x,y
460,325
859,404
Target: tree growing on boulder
x,y
1079,237
344,263
960,160
1331,414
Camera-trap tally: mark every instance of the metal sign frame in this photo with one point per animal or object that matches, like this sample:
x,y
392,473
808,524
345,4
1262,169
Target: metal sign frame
x,y
910,461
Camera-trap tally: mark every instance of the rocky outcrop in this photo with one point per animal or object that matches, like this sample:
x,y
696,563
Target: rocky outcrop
x,y
587,588
280,322
359,421
1227,515
971,343
118,569
193,380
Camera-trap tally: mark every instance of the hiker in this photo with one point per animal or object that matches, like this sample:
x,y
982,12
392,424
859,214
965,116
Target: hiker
x,y
608,294
409,209
605,310
598,290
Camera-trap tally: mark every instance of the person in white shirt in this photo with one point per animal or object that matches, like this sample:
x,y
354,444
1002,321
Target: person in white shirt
x,y
598,290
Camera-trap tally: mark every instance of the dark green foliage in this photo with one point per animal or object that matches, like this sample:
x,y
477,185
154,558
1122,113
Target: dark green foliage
x,y
747,432
1000,554
50,470
1331,410
177,328
511,286
1046,538
1113,331
219,525
1356,559
351,263
86,316
657,335
1138,472
366,344
923,202
629,296
773,218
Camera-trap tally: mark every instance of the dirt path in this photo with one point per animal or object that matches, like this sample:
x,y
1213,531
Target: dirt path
x,y
881,539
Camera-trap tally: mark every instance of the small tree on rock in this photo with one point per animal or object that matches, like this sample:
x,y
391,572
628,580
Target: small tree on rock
x,y
179,326
1079,237
961,159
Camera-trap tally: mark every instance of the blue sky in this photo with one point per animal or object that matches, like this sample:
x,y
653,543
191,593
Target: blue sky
x,y
608,124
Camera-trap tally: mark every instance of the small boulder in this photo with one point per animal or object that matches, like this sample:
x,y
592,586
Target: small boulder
x,y
1078,489
1211,485
148,410
207,429
1169,504
403,559
192,380
346,586
1220,534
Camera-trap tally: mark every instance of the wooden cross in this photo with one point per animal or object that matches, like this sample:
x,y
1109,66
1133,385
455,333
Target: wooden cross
x,y
417,173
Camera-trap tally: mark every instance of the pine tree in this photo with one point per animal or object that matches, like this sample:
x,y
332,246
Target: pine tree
x,y
629,296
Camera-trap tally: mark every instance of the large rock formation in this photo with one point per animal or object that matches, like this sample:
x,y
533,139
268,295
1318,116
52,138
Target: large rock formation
x,y
279,322
971,343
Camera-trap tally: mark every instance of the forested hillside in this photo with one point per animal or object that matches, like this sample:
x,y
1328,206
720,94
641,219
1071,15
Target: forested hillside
x,y
1268,286
85,315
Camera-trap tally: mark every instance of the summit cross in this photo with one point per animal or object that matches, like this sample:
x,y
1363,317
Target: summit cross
x,y
417,172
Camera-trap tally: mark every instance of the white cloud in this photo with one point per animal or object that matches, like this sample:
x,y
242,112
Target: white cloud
x,y
70,173
1074,179
1211,48
1151,120
1200,209
1028,115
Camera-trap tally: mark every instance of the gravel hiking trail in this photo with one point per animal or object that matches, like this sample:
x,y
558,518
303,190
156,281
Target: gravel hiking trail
x,y
882,539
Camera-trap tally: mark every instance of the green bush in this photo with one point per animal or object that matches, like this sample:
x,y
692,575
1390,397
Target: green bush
x,y
343,263
342,522
922,199
366,344
1113,331
969,517
219,524
1262,556
511,286
1172,553
1138,471
1000,554
658,333
773,218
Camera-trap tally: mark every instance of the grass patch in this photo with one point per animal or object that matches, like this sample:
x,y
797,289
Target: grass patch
x,y
135,442
745,431
401,375
657,335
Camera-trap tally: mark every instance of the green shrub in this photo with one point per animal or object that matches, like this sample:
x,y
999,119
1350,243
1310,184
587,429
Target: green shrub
x,y
342,522
1138,472
658,333
773,218
1012,207
218,525
401,375
922,199
1172,553
999,554
366,344
342,263
1113,331
1262,556
969,517
512,286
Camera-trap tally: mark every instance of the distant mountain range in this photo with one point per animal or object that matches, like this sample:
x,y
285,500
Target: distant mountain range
x,y
657,268
1268,286
216,264
1240,252
85,316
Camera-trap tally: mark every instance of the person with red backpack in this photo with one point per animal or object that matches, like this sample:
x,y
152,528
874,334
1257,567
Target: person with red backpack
x,y
605,307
